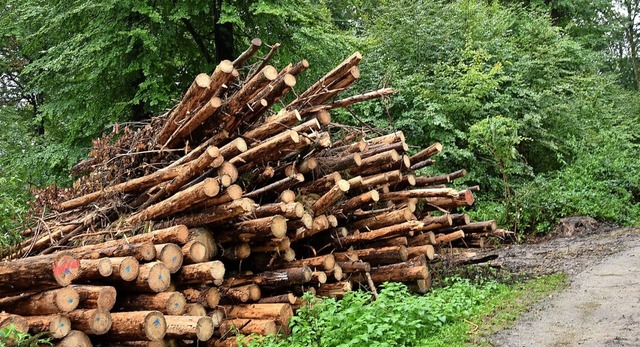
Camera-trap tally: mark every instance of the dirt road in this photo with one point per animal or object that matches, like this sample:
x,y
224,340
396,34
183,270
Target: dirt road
x,y
601,306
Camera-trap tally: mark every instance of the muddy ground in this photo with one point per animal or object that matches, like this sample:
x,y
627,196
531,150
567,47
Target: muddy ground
x,y
601,306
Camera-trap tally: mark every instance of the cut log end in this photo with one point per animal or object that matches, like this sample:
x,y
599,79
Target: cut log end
x,y
59,327
66,268
155,326
128,269
67,299
159,278
75,338
279,226
226,66
203,80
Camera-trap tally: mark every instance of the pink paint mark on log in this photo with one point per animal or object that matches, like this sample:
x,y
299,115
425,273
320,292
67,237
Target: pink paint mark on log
x,y
65,269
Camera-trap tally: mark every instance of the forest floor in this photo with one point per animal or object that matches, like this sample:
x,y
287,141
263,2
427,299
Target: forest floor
x,y
600,306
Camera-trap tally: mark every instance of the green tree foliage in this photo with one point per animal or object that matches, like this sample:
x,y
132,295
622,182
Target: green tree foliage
x,y
482,77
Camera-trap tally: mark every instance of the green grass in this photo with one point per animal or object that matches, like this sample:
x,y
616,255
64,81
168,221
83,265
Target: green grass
x,y
459,313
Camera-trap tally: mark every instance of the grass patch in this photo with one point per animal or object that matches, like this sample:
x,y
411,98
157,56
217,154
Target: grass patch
x,y
459,313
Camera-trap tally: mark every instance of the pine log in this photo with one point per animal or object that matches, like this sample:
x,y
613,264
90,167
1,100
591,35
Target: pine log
x,y
140,325
330,197
323,184
92,269
233,148
405,274
197,88
322,262
45,272
292,210
140,251
419,193
447,238
426,250
191,170
273,125
92,322
19,323
133,185
277,278
194,252
231,193
375,163
333,164
426,238
283,184
464,198
374,94
419,165
358,201
103,297
272,226
423,181
319,224
54,325
354,266
47,302
195,310
266,150
207,296
216,215
170,255
189,327
405,228
427,152
202,115
75,338
248,53
460,219
176,234
171,303
201,273
280,313
334,290
124,269
248,326
237,252
384,219
288,298
470,228
178,202
240,294
273,245
152,277
228,174
396,241
383,255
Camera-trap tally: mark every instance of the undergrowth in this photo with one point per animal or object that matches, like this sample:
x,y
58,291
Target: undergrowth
x,y
453,315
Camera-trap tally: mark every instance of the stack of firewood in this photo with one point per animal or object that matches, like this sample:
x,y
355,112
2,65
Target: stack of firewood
x,y
214,219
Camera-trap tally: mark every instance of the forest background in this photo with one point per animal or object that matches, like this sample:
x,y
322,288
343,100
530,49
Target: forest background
x,y
538,100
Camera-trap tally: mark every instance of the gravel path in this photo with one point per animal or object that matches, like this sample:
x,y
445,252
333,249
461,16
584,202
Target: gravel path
x,y
601,306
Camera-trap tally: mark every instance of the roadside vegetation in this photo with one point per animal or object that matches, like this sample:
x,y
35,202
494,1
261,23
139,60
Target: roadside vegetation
x,y
461,312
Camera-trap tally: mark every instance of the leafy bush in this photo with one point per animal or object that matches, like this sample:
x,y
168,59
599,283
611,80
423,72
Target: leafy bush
x,y
396,318
9,336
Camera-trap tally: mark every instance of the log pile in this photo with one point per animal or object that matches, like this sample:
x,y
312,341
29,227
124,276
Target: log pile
x,y
213,219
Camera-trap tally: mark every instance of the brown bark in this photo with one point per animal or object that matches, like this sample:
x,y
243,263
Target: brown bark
x,y
334,290
201,272
447,238
288,298
319,224
194,252
384,219
198,118
426,238
92,269
19,322
273,125
426,250
463,198
171,303
427,153
178,202
273,226
103,297
396,241
419,193
190,98
139,325
322,184
233,148
292,210
248,326
45,272
277,278
216,215
423,181
170,255
281,313
152,277
384,255
206,296
75,338
248,53
175,234
240,294
354,266
140,251
189,327
405,228
358,201
47,302
322,262
375,163
54,325
196,310
92,322
330,197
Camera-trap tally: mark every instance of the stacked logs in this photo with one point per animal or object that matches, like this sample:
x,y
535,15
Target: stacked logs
x,y
215,218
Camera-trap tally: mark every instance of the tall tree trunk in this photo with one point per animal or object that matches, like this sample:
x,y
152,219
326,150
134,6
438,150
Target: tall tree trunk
x,y
223,34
